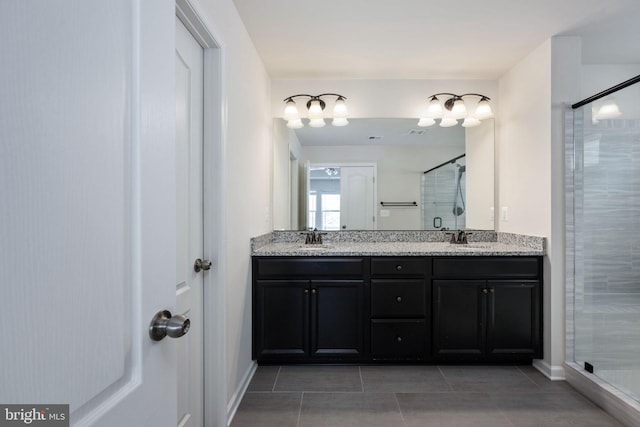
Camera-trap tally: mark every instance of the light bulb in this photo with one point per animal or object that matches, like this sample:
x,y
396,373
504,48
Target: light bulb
x,y
426,122
434,110
295,124
340,109
608,110
291,111
315,110
339,121
447,122
483,110
459,110
470,122
317,123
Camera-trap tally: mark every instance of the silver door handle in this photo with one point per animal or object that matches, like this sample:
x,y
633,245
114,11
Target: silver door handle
x,y
164,324
201,265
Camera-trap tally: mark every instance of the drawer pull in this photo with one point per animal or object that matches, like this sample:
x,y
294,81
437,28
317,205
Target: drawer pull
x,y
399,338
399,298
398,267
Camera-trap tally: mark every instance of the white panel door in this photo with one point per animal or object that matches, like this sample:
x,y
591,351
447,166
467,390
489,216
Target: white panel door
x,y
357,198
189,219
87,218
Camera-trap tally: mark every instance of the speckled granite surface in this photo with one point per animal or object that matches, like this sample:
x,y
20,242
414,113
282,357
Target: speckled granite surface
x,y
396,243
383,236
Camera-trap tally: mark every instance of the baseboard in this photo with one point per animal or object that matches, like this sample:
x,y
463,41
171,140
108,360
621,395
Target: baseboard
x,y
553,372
237,396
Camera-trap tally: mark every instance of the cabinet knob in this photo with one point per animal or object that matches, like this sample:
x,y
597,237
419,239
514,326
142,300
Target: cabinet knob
x,y
306,291
492,290
485,291
399,298
398,267
313,291
398,338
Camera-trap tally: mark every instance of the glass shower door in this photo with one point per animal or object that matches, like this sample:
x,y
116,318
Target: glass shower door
x,y
444,196
607,239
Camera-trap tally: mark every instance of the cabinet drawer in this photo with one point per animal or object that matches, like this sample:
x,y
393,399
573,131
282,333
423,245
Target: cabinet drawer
x,y
398,266
398,339
486,267
310,267
397,298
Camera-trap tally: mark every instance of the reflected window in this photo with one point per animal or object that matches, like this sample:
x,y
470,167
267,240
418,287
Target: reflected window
x,y
330,208
324,211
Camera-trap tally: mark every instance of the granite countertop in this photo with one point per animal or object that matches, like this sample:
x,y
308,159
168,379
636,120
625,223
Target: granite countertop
x,y
396,249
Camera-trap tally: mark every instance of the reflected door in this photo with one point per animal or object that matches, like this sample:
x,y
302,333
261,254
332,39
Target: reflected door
x,y
357,198
341,197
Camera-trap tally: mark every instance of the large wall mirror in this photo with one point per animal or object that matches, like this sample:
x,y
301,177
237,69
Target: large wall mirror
x,y
383,174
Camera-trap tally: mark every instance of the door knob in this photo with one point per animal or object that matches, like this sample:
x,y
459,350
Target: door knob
x,y
201,265
164,324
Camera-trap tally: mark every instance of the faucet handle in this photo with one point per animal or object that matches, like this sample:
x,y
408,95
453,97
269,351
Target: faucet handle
x,y
453,237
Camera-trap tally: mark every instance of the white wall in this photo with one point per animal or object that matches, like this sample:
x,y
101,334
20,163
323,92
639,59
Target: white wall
x,y
285,144
480,185
247,203
530,155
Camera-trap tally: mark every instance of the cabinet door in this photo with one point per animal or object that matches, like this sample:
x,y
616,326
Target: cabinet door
x,y
281,323
513,317
459,313
337,318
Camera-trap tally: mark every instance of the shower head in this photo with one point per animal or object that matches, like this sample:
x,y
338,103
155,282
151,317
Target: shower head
x,y
461,168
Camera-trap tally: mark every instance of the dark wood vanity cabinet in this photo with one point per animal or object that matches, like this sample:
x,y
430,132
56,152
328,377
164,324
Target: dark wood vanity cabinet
x,y
400,308
321,309
308,309
487,309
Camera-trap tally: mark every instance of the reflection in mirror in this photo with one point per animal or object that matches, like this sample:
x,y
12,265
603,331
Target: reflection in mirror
x,y
399,153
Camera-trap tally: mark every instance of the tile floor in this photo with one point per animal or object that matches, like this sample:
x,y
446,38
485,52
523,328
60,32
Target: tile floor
x,y
412,396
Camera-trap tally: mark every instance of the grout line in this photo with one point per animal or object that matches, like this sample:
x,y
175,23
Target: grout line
x,y
273,389
395,396
300,409
445,379
361,381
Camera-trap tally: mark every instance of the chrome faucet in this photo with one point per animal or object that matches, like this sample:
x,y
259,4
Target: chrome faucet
x,y
459,237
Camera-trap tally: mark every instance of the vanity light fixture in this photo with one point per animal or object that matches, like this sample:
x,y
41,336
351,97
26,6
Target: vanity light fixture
x,y
453,109
315,111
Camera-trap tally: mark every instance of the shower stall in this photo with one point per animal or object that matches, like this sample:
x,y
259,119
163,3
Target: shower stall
x,y
603,246
443,196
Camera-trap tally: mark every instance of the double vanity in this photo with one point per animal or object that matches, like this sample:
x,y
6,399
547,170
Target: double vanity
x,y
377,297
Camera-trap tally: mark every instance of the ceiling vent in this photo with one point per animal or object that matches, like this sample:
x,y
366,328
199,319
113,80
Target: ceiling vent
x,y
376,137
416,132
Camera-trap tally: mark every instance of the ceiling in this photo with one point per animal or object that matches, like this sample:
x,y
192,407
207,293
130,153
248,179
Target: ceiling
x,y
428,39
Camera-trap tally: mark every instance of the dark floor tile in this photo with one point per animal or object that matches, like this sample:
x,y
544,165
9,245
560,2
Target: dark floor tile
x,y
349,409
543,383
264,379
486,379
403,379
319,378
555,409
450,409
268,410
